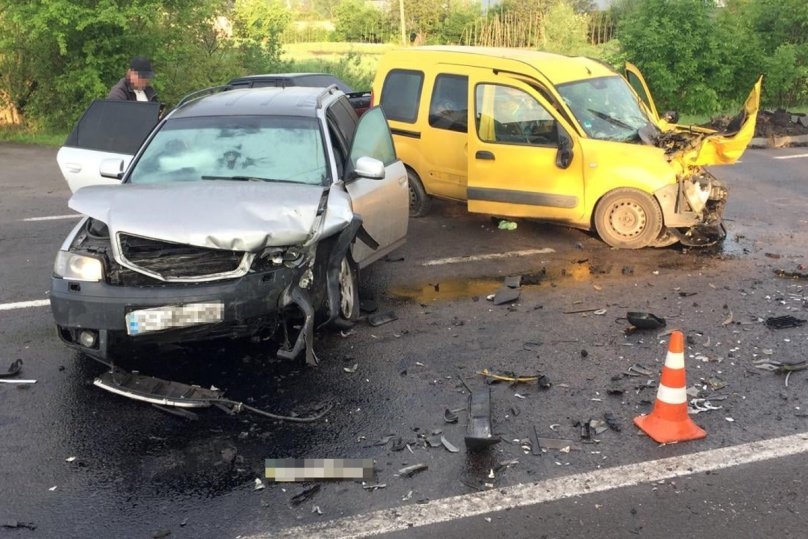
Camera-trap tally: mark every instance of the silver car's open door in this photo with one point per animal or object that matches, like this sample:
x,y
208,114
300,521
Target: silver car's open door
x,y
106,130
383,203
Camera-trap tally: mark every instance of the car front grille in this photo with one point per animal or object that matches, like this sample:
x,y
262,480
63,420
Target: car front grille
x,y
175,260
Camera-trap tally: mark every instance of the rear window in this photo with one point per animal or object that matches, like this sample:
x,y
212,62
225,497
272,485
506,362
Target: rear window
x,y
401,94
449,106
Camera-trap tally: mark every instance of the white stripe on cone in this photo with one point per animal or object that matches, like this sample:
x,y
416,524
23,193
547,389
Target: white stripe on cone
x,y
672,395
675,360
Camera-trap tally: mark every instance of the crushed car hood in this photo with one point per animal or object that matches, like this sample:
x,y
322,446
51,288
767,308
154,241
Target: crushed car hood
x,y
237,216
694,146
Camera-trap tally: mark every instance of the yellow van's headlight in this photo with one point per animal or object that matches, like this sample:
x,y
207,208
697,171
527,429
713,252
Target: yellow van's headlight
x,y
76,267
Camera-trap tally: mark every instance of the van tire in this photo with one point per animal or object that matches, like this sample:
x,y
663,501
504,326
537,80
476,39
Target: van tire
x,y
420,202
628,219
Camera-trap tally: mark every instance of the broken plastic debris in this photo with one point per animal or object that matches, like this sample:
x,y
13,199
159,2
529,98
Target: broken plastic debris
x,y
351,369
556,444
316,509
479,435
514,281
448,445
409,471
784,322
433,441
612,422
17,524
642,320
638,370
305,494
70,459
506,295
599,312
13,370
382,318
259,485
449,416
519,396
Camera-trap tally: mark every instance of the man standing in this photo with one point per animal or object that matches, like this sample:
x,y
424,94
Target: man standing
x,y
135,85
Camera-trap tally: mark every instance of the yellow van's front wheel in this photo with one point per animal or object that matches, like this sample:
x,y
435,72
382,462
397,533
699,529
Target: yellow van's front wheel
x,y
628,219
420,202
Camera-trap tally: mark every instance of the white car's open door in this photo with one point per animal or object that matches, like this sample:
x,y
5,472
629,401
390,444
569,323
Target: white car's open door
x,y
106,130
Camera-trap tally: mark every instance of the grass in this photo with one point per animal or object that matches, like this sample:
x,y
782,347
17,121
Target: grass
x,y
24,135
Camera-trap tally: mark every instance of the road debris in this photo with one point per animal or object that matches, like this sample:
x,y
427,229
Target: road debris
x,y
508,377
506,294
637,370
555,444
783,322
375,486
351,369
479,435
791,274
13,370
612,422
409,471
504,224
17,524
702,405
643,320
728,320
535,448
316,509
514,281
450,416
448,445
382,318
305,494
259,485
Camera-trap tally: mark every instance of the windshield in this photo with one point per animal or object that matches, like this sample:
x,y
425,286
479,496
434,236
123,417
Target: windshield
x,y
238,148
605,107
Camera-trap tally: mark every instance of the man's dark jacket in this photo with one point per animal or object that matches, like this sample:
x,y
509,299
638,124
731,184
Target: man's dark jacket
x,y
123,91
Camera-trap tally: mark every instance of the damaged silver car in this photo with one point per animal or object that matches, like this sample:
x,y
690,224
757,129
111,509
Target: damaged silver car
x,y
244,212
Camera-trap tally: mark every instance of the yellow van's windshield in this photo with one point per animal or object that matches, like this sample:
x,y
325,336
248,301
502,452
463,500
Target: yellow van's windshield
x,y
605,107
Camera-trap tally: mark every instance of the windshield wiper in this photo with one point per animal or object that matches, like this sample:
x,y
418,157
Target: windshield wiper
x,y
611,120
242,178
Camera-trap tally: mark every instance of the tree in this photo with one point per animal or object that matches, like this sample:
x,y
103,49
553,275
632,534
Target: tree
x,y
564,29
675,44
258,26
356,20
457,20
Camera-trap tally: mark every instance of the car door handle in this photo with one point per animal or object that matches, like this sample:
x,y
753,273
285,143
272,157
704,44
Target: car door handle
x,y
484,155
73,167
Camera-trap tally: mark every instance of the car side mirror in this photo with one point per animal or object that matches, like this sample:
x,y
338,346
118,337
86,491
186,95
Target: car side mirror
x,y
111,168
564,154
368,167
671,116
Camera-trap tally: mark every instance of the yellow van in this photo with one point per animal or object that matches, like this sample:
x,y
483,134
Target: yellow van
x,y
563,139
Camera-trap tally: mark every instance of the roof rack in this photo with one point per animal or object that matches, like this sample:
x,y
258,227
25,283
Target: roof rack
x,y
199,93
326,91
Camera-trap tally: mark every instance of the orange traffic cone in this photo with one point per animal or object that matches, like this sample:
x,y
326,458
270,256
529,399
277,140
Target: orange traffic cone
x,y
669,422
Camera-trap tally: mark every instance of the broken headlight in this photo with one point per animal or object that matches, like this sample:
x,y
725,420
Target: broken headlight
x,y
291,257
76,267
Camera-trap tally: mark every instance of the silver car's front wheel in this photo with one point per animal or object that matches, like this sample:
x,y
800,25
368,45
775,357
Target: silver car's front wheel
x,y
348,291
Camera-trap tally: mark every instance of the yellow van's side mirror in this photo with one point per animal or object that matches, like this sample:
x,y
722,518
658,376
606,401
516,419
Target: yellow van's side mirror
x,y
564,155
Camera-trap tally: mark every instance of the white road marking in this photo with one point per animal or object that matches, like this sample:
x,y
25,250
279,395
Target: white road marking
x,y
52,217
492,256
795,156
24,304
480,503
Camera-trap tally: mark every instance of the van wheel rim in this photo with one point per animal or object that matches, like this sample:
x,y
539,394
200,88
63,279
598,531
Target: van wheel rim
x,y
627,219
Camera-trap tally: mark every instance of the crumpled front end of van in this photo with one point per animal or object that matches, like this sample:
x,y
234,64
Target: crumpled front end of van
x,y
700,197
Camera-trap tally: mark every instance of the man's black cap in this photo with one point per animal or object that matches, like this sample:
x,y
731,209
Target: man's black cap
x,y
142,65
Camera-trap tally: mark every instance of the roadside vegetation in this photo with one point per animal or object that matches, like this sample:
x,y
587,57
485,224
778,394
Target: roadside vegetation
x,y
698,57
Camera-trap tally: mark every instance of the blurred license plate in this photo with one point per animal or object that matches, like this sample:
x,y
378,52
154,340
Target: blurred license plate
x,y
173,316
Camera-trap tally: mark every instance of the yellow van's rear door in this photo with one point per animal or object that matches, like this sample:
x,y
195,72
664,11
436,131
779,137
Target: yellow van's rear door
x,y
513,146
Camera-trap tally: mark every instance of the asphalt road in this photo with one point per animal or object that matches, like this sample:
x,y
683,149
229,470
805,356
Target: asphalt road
x,y
139,472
